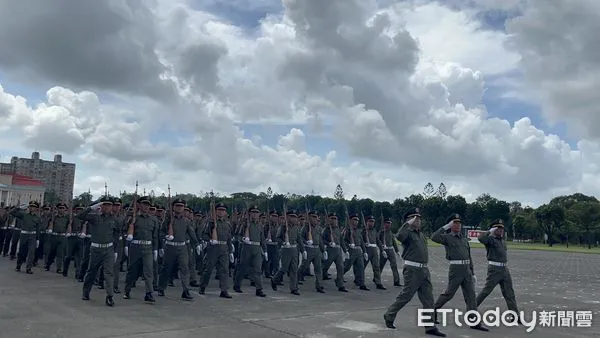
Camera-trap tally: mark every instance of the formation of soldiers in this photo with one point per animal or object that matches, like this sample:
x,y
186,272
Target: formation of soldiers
x,y
160,245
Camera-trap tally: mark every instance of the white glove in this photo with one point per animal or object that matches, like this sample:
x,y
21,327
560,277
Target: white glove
x,y
325,256
161,252
398,253
126,249
69,234
412,220
82,235
266,256
199,250
448,226
474,280
116,257
351,245
286,244
37,243
214,242
155,254
49,231
269,240
202,246
493,231
247,240
304,255
332,244
346,255
366,255
309,242
384,254
129,238
169,237
232,249
231,258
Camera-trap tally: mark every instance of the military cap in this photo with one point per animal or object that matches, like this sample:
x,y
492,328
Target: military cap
x,y
453,217
117,200
292,212
61,205
371,218
253,208
197,213
178,201
353,215
105,200
221,205
412,212
274,213
187,209
332,214
144,200
34,204
46,206
497,223
79,206
160,208
312,213
387,220
263,215
152,206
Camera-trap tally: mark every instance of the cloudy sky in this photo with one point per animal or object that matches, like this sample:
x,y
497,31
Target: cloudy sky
x,y
380,96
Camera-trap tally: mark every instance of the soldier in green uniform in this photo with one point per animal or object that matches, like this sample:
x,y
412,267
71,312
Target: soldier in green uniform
x,y
290,242
253,249
374,249
312,239
272,264
86,242
389,250
119,215
43,237
104,232
15,235
31,226
192,250
142,249
3,225
498,273
74,250
416,273
160,218
176,248
199,223
460,274
219,252
357,252
332,237
57,238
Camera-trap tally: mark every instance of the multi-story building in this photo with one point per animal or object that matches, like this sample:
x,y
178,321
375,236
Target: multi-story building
x,y
20,190
58,177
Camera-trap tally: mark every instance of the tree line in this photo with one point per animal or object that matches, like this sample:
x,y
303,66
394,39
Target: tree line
x,y
572,219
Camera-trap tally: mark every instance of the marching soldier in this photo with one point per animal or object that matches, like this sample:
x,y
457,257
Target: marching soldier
x,y
157,265
356,253
312,239
104,234
390,250
498,273
31,225
142,249
56,237
460,274
120,219
193,254
251,256
46,217
291,244
416,273
14,226
272,264
374,250
219,253
86,248
74,243
332,237
3,225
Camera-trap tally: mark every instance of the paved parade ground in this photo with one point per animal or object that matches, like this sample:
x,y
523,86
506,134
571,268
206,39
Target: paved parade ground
x,y
48,305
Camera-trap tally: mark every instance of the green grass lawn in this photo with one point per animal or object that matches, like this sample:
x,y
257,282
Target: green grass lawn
x,y
538,247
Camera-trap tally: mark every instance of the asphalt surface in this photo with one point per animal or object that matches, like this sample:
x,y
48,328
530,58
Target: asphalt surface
x,y
47,305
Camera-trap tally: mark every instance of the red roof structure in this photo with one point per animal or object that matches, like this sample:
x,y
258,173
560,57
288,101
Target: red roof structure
x,y
26,181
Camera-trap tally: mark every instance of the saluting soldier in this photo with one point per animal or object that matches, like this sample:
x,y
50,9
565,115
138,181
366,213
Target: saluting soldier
x,y
219,252
104,232
290,242
272,264
356,253
31,226
142,249
253,249
312,237
374,249
74,250
177,229
498,273
460,274
390,250
57,237
416,273
332,236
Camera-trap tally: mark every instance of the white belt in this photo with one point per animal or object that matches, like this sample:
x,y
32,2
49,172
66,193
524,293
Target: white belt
x,y
289,246
271,243
372,245
459,262
3,228
311,246
98,245
25,232
415,264
88,236
356,247
58,234
496,263
252,243
141,242
175,243
19,229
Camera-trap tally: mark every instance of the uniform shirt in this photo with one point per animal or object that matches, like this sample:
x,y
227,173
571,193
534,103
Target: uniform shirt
x,y
290,234
76,225
182,228
495,247
255,232
387,239
333,234
224,232
370,236
61,223
103,228
316,233
353,236
414,244
146,229
271,230
456,245
28,221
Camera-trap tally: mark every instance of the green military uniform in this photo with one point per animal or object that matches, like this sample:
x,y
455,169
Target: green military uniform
x,y
15,236
356,252
199,226
3,226
416,273
31,226
219,252
43,237
161,241
374,248
142,250
498,273
332,237
86,239
176,250
104,232
192,250
120,220
252,250
390,250
74,249
315,248
57,238
291,245
271,265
